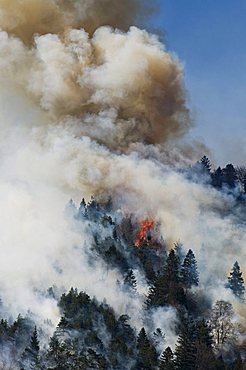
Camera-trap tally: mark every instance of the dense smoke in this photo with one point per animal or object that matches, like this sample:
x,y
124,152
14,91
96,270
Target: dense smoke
x,y
26,18
83,113
119,88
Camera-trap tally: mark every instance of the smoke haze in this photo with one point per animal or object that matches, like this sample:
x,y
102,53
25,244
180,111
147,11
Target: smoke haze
x,y
90,105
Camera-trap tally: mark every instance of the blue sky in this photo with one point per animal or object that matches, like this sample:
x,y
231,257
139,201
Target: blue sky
x,y
209,37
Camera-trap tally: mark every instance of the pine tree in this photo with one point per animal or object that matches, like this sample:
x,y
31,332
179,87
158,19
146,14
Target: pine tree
x,y
31,353
93,210
189,273
130,280
186,348
172,268
167,288
204,335
82,209
217,178
167,360
205,358
205,164
230,176
147,356
159,338
34,345
56,351
236,282
179,250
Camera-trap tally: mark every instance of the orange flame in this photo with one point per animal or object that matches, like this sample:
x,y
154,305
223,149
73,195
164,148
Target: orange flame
x,y
145,232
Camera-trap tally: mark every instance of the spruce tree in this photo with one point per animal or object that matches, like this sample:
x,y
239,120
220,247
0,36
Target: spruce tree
x,y
189,273
82,209
236,282
167,288
205,358
179,250
56,351
171,271
185,352
217,178
230,176
34,344
147,356
167,360
159,337
205,164
31,353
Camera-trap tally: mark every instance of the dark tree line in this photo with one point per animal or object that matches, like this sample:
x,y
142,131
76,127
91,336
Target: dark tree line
x,y
90,335
228,177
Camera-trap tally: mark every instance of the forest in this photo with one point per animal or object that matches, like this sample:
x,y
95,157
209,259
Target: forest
x,y
91,335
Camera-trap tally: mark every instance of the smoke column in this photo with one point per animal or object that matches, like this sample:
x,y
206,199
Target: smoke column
x,y
90,104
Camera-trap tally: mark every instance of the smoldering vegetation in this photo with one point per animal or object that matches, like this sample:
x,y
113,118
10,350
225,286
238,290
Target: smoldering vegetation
x,y
91,105
158,310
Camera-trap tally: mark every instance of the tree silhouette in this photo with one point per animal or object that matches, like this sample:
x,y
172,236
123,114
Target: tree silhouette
x,y
236,282
185,352
189,273
167,360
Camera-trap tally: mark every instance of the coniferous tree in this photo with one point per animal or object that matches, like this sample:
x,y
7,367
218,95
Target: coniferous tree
x,y
31,353
175,293
205,358
34,345
179,250
230,176
167,288
189,273
185,353
167,360
57,353
217,178
82,209
236,282
205,164
159,338
171,271
147,356
130,280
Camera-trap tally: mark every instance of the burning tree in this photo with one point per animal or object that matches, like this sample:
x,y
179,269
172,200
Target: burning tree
x,y
145,234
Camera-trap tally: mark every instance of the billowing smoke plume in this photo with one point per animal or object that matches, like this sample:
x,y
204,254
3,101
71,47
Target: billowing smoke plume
x,y
120,88
82,113
26,18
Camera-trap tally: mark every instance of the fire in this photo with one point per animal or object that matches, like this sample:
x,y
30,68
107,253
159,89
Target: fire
x,y
145,232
